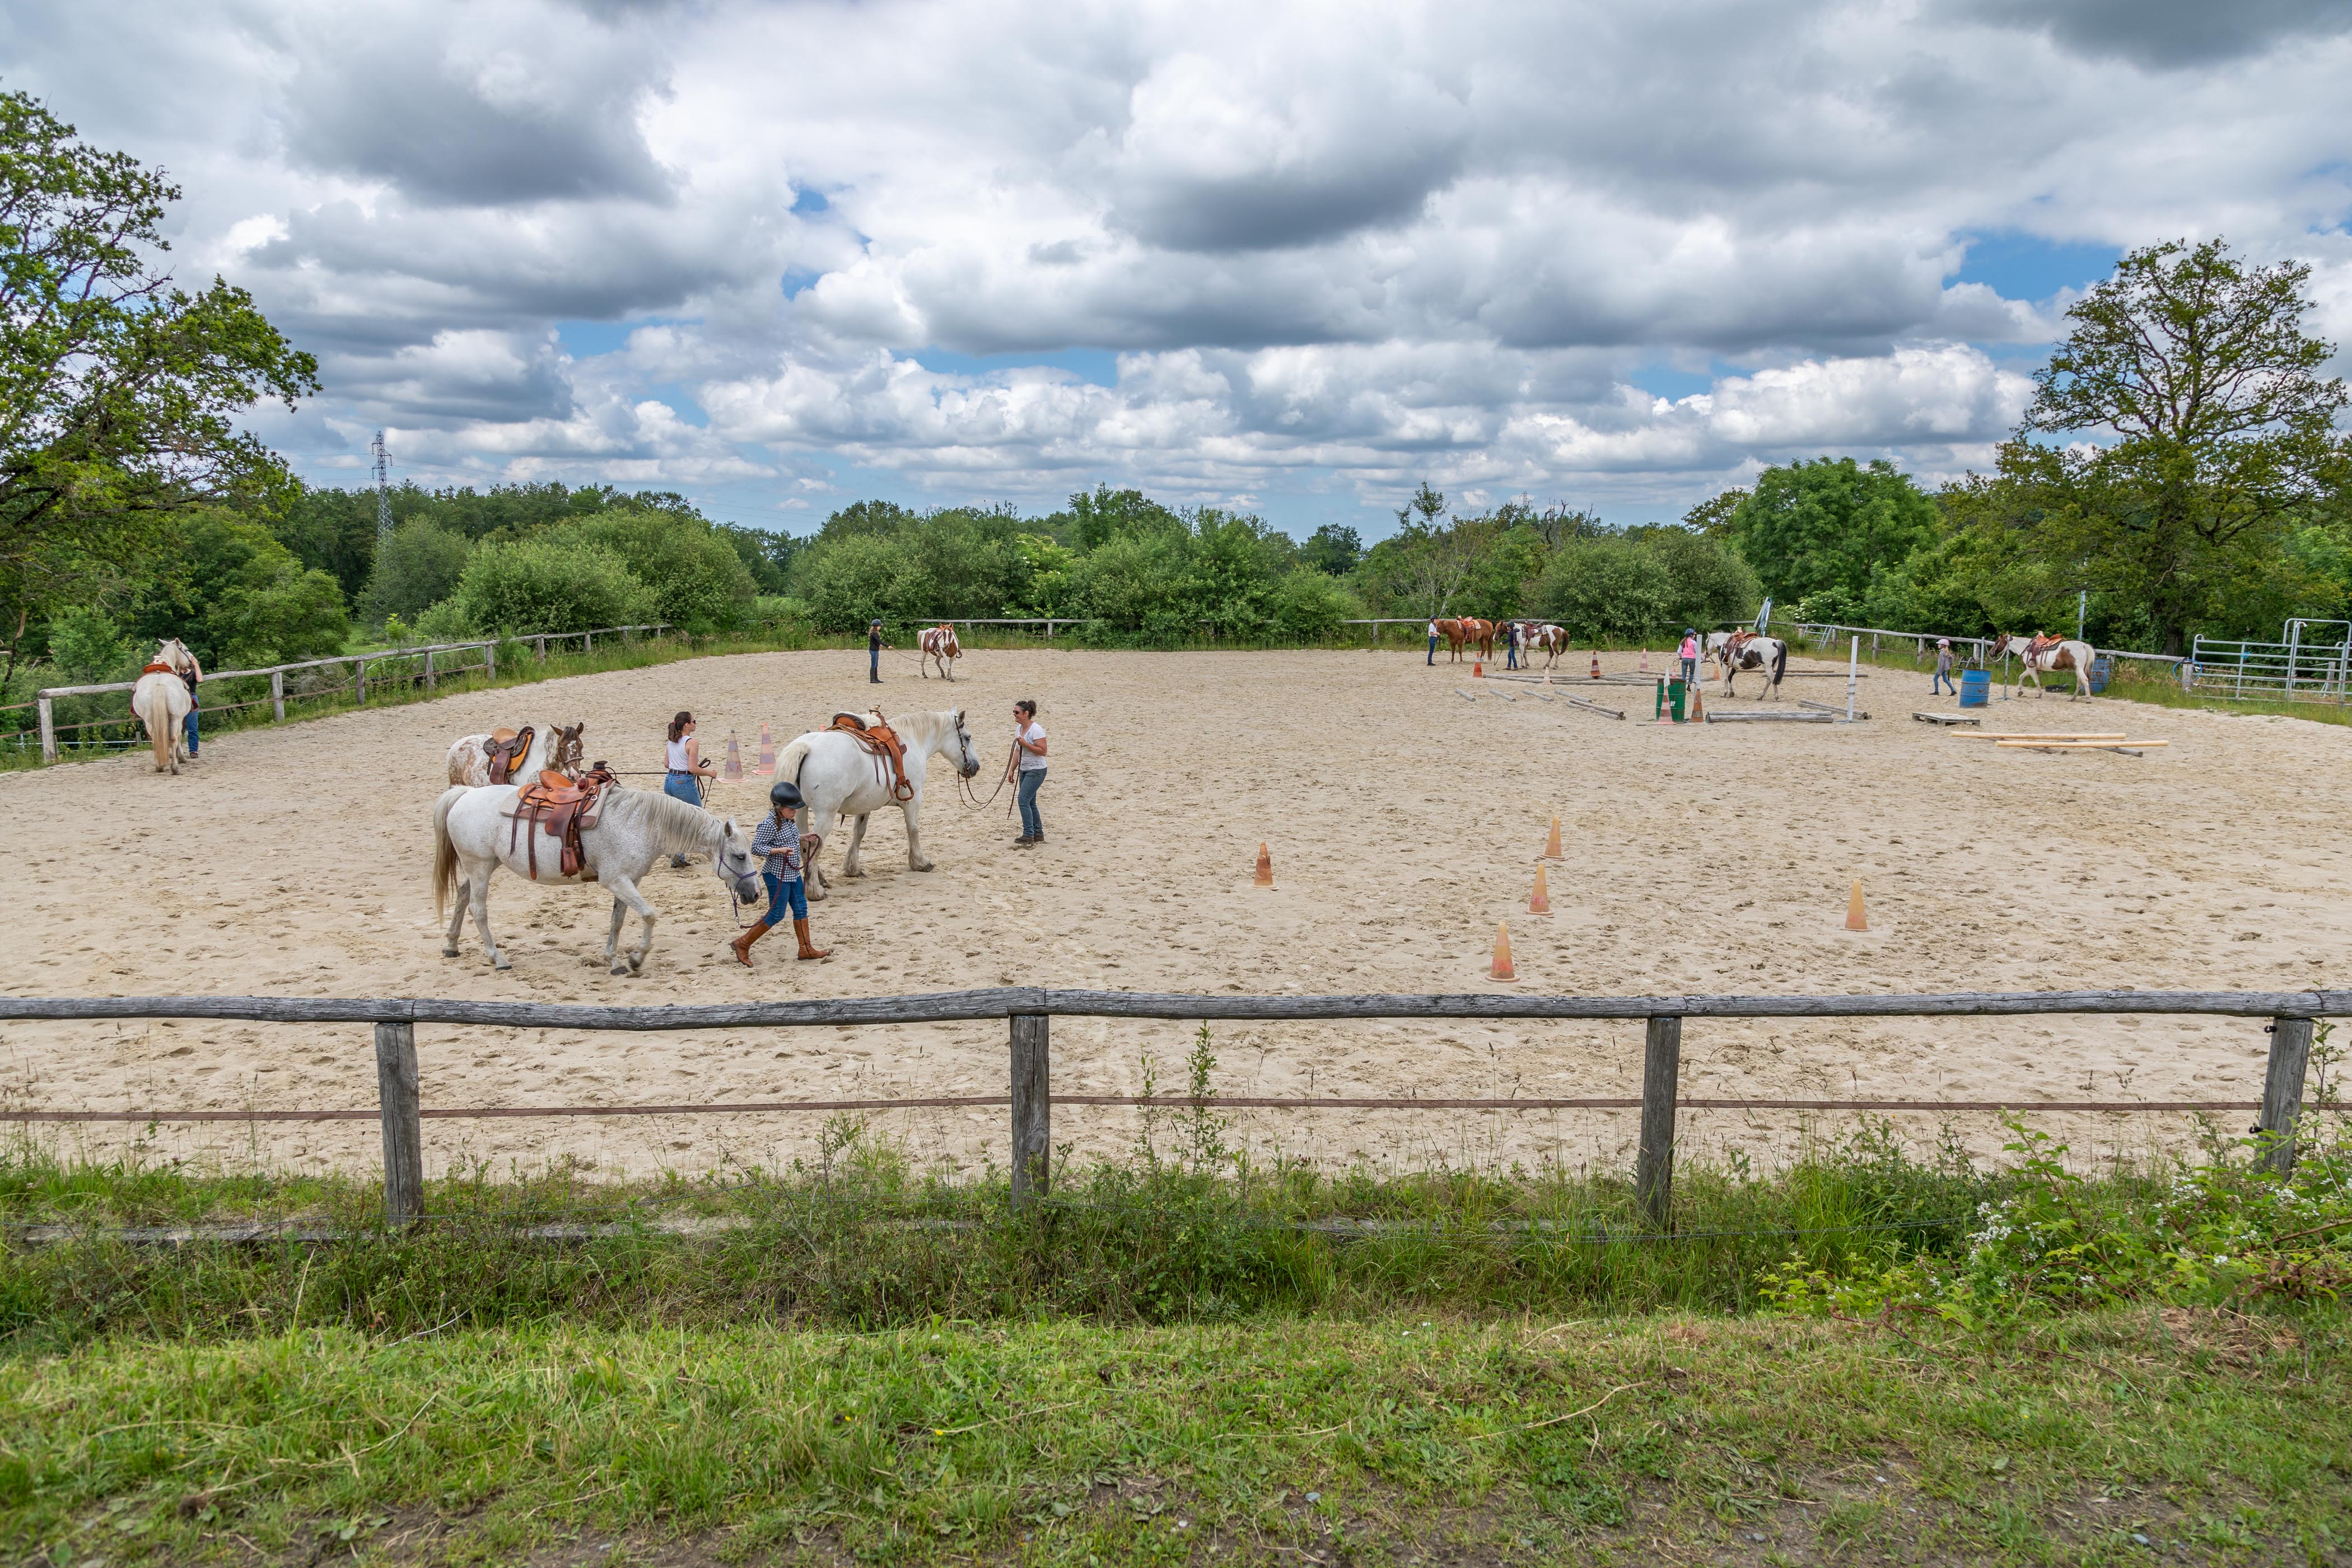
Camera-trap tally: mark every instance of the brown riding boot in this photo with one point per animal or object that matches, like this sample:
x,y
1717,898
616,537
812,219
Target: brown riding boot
x,y
808,948
742,944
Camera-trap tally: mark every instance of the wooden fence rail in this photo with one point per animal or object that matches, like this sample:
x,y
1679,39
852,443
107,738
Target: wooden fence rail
x,y
1029,1011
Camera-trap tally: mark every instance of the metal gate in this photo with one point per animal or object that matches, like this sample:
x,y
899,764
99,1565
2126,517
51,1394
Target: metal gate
x,y
2312,665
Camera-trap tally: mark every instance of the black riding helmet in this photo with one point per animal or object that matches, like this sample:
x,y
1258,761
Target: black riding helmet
x,y
783,792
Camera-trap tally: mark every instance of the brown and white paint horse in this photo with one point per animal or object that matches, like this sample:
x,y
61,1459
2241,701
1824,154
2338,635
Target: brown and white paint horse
x,y
1469,631
553,746
937,645
1552,639
1735,651
2046,655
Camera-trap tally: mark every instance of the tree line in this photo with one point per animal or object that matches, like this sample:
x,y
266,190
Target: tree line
x,y
2181,467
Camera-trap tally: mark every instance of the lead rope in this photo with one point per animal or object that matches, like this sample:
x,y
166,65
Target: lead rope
x,y
971,796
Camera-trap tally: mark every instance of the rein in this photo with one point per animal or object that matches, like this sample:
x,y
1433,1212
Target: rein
x,y
971,796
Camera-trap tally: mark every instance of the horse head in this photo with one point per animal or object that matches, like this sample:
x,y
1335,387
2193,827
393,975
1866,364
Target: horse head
x,y
563,747
736,865
175,652
967,759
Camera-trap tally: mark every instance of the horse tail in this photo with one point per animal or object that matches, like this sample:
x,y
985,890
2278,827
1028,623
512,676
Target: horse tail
x,y
1781,662
792,758
157,717
445,852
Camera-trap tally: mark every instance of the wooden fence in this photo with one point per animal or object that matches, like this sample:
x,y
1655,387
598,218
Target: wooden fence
x,y
1029,1012
45,700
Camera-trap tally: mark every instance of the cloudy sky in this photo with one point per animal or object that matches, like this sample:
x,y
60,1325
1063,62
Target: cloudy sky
x,y
1287,258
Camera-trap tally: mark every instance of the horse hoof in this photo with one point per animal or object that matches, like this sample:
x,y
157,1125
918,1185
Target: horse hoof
x,y
923,867
620,969
500,963
449,953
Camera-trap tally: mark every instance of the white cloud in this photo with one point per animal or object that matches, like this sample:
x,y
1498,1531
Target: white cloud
x,y
1326,247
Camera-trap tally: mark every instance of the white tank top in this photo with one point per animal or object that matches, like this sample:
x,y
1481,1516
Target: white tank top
x,y
677,763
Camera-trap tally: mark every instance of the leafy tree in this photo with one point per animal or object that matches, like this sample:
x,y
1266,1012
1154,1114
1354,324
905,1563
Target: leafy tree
x,y
854,578
1713,515
1826,523
89,649
1308,604
696,578
1710,584
1334,550
234,595
1607,590
2211,437
553,581
767,554
119,391
415,569
1109,514
867,517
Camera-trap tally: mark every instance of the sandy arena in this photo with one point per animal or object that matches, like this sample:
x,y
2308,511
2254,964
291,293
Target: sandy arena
x,y
1403,823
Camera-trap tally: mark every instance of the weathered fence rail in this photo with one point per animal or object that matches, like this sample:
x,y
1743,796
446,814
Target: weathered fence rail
x,y
1029,1012
45,700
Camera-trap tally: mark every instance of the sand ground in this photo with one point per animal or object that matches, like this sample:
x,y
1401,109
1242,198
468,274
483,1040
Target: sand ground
x,y
1403,822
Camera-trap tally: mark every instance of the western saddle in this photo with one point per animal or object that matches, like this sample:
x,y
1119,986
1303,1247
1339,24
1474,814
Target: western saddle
x,y
506,752
562,807
890,752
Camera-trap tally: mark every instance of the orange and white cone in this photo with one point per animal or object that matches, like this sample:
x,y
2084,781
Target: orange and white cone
x,y
1478,670
1854,918
1551,844
767,752
1265,868
733,767
1540,901
1596,664
1502,969
1697,707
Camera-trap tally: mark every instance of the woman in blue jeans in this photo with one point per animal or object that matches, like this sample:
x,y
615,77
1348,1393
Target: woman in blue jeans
x,y
1029,747
686,770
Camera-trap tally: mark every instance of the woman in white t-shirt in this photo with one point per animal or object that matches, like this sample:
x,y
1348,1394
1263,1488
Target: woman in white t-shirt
x,y
1029,748
685,772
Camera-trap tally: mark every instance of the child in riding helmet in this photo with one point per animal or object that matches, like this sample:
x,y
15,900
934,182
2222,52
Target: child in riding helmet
x,y
781,847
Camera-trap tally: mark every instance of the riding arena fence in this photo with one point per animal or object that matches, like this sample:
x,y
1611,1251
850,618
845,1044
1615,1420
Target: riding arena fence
x,y
394,669
1029,1012
2301,668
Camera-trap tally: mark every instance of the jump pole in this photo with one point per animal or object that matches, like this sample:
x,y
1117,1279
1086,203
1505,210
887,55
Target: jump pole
x,y
1852,664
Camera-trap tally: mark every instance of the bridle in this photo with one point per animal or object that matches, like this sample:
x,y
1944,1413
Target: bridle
x,y
969,795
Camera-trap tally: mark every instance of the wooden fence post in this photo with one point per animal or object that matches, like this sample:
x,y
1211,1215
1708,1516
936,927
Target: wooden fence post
x,y
403,1127
2282,1089
277,695
49,727
1654,1164
490,660
428,669
1033,1107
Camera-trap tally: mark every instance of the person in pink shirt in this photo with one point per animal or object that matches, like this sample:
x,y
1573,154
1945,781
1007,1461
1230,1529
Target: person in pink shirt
x,y
1689,654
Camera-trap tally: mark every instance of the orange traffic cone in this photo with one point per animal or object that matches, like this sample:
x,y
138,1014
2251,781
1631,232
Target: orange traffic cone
x,y
733,768
1697,707
767,752
1265,868
1502,969
1551,844
1596,664
1478,668
1645,662
1855,918
1540,901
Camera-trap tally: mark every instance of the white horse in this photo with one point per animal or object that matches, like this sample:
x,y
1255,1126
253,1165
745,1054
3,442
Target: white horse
x,y
839,778
160,702
553,746
937,645
1735,651
2063,653
473,834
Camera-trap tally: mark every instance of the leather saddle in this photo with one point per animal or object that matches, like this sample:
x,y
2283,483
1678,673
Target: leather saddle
x,y
890,752
506,752
562,807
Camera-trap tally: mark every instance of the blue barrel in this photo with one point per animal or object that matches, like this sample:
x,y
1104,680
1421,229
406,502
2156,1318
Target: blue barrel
x,y
2101,667
1976,687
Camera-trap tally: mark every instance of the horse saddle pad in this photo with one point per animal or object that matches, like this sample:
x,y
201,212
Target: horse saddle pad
x,y
882,742
507,749
562,807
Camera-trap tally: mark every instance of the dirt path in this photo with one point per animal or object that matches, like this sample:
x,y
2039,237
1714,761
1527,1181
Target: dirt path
x,y
1402,821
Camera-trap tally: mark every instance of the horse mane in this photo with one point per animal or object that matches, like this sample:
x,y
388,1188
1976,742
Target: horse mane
x,y
683,828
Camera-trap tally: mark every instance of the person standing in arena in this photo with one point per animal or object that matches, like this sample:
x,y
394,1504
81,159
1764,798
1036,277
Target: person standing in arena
x,y
684,771
874,646
1943,669
1433,643
1689,654
1029,748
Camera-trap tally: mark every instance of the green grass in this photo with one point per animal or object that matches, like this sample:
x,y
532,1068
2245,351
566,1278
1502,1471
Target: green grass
x,y
1387,1439
1185,1359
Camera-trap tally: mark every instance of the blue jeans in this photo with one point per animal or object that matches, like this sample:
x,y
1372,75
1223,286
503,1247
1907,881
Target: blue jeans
x,y
786,900
681,787
1942,681
1510,656
1690,671
1433,650
190,727
1031,824
873,663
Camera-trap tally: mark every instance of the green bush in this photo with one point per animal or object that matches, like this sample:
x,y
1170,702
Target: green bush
x,y
1309,605
862,577
418,567
236,597
1608,590
698,580
547,582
